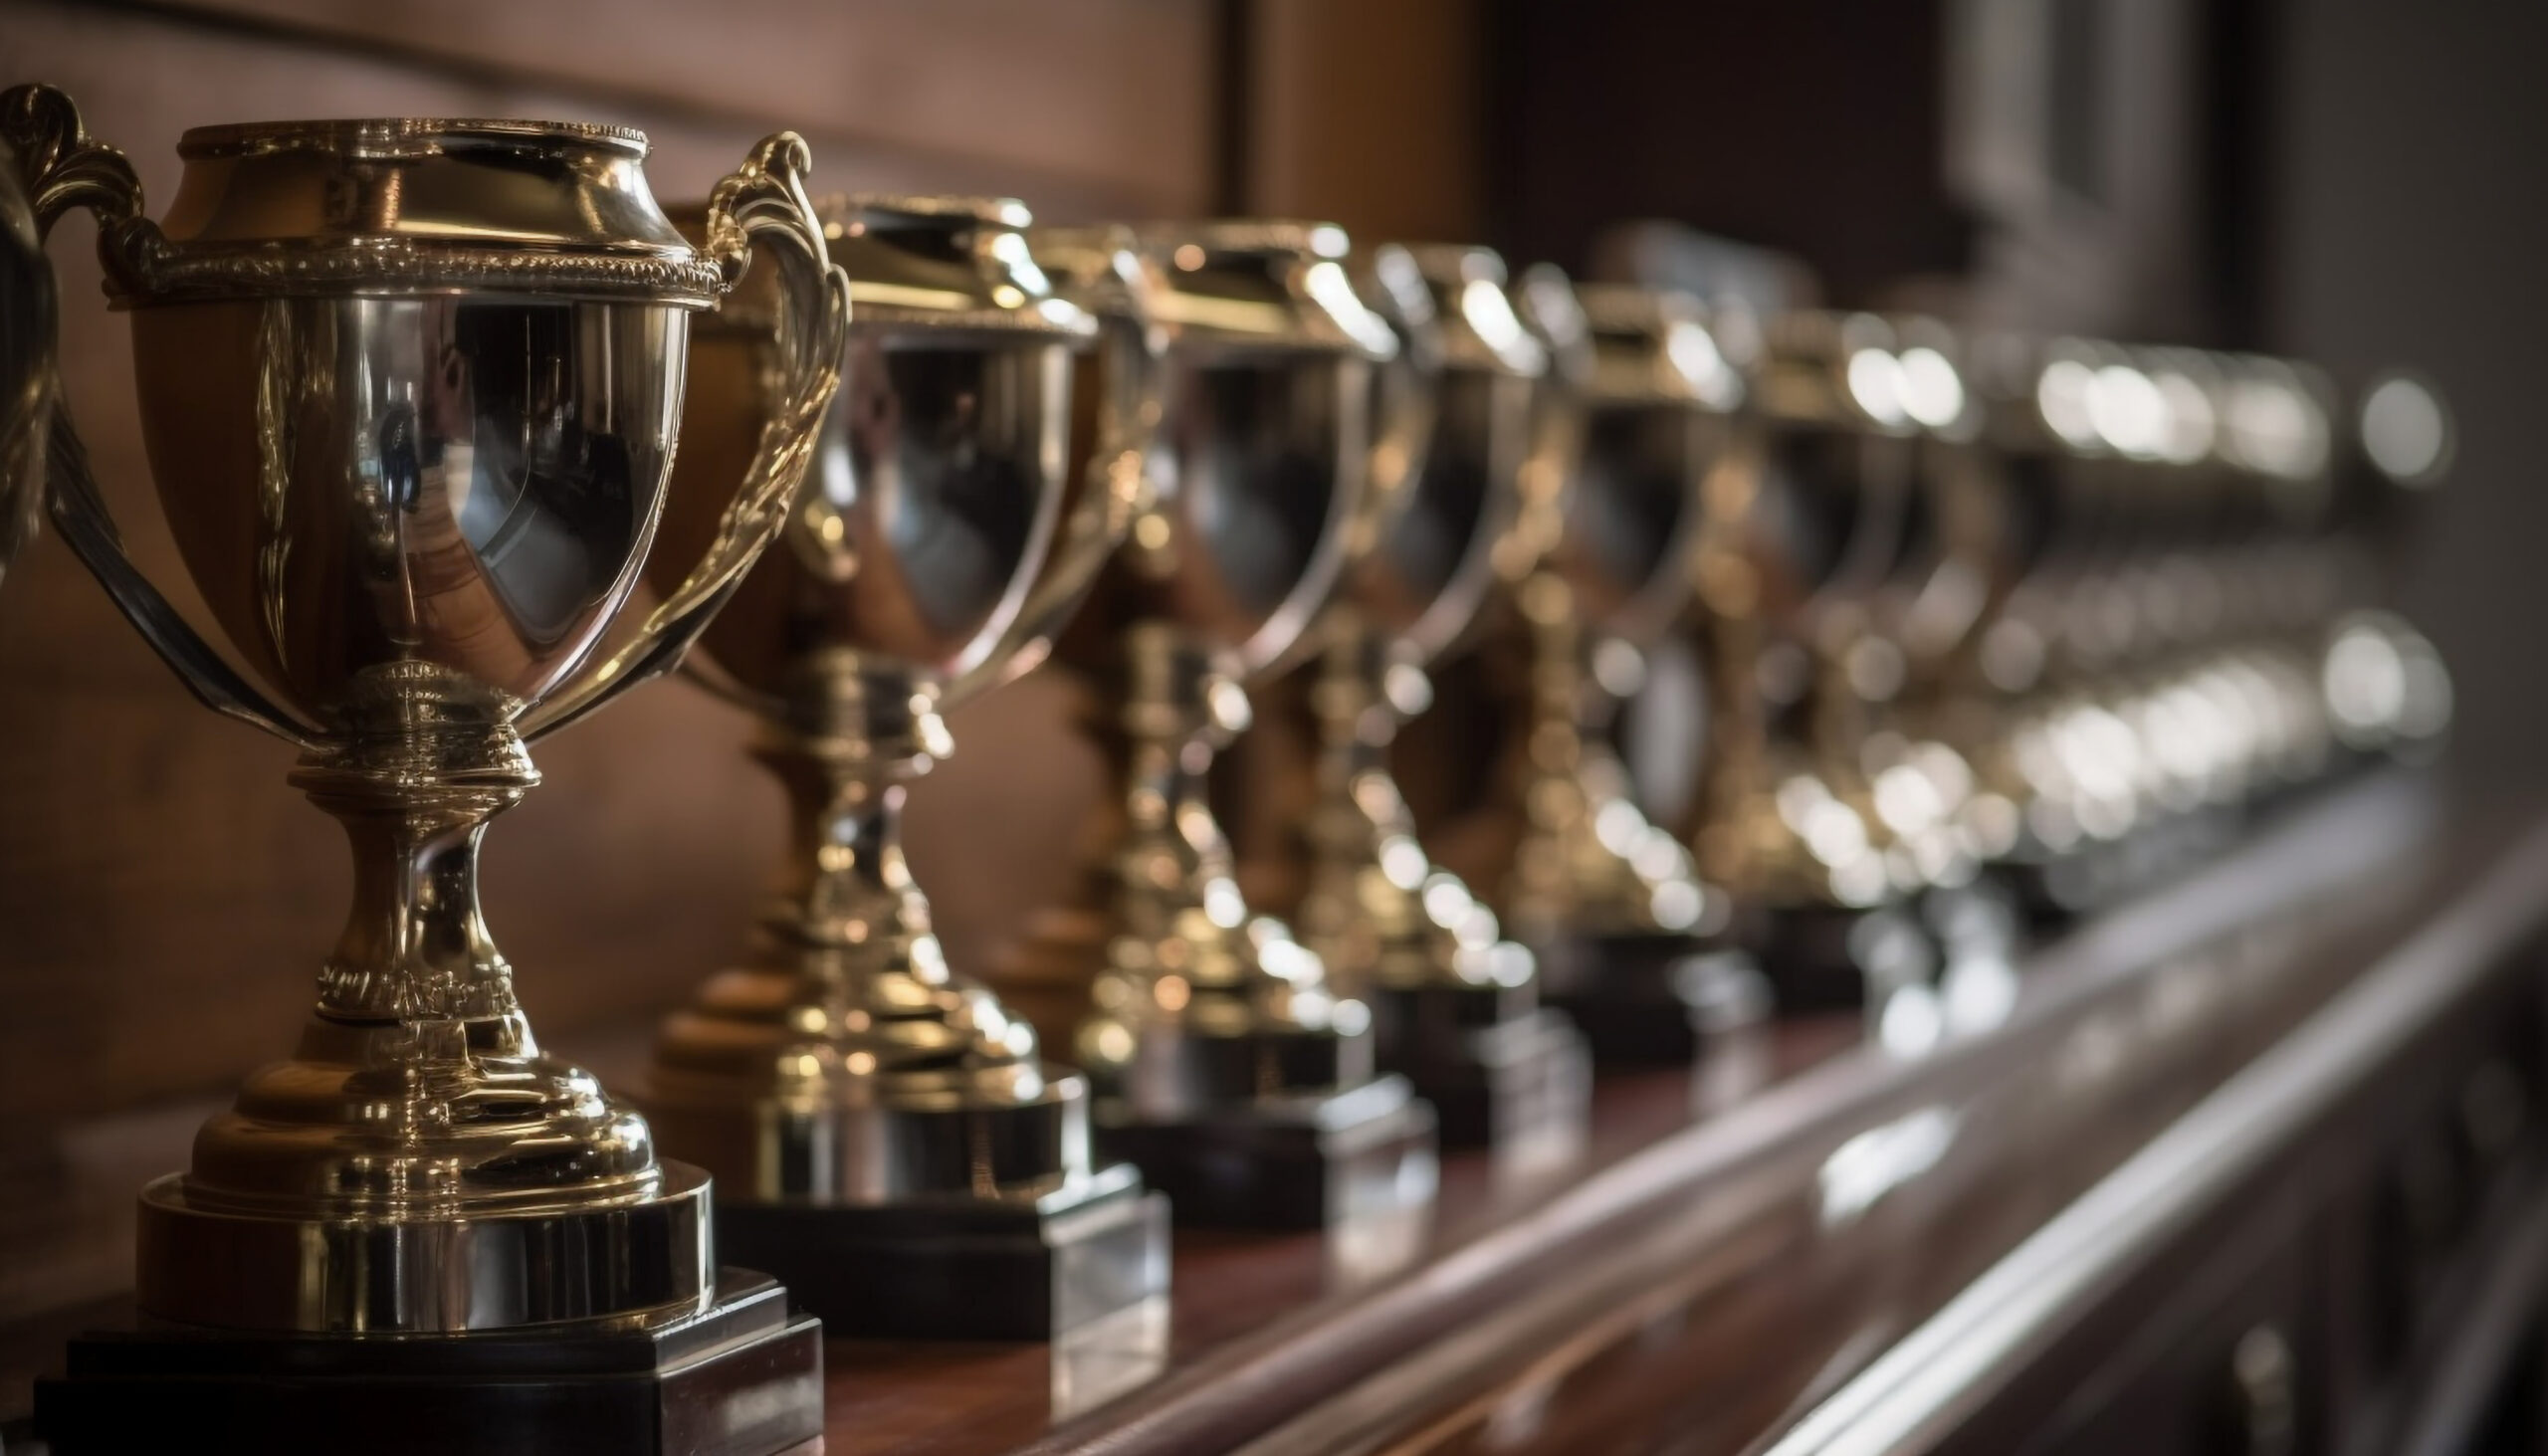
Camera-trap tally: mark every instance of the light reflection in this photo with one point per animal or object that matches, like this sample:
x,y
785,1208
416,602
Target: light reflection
x,y
1863,1170
1875,383
2405,431
1930,390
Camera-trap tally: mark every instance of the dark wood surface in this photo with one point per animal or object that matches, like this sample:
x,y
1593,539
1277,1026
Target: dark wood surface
x,y
1715,1268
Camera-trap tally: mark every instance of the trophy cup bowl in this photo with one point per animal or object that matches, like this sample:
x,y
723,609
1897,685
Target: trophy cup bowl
x,y
1225,1064
409,392
1610,903
884,1129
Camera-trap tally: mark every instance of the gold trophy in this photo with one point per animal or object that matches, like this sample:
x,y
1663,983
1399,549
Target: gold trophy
x,y
1803,531
1628,938
883,1128
1226,1064
409,390
1454,1002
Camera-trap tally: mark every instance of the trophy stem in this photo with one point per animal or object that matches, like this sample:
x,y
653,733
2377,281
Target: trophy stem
x,y
844,755
1375,907
1454,1007
415,948
1559,865
1733,829
1175,885
843,1063
1197,1002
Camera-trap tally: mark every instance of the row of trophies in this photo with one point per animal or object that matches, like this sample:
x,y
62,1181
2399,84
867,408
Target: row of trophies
x,y
1988,625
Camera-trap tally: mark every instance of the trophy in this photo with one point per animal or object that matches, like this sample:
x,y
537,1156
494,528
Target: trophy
x,y
1454,1001
409,390
1227,1064
1954,566
884,1130
1627,937
1801,530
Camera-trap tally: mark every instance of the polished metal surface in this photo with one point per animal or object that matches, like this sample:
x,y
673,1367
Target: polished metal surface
x,y
414,456
844,1060
1265,443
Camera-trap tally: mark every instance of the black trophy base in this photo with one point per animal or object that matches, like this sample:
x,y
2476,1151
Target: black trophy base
x,y
1640,998
1517,1084
745,1379
958,1268
1309,1162
1821,957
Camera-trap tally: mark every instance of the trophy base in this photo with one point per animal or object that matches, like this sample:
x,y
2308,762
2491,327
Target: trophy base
x,y
1520,1085
743,1379
1821,957
1639,999
959,1268
1328,1161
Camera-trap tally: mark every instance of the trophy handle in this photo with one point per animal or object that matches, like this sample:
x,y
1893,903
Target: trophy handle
x,y
1393,463
1117,491
54,165
26,380
763,202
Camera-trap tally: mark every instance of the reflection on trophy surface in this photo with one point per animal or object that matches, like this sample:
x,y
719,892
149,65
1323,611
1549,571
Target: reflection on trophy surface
x,y
1455,1003
886,1130
1227,1065
409,393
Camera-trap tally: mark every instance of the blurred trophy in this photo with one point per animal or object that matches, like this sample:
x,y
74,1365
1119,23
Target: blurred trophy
x,y
1227,1066
1802,531
1455,1003
409,388
1627,936
884,1130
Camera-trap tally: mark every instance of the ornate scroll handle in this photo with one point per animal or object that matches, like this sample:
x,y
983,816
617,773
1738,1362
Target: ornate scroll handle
x,y
1406,405
764,202
1116,491
26,375
57,166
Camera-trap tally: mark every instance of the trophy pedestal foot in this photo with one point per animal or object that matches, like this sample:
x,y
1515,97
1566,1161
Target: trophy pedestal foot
x,y
743,1379
959,1268
1319,1161
1639,999
1821,957
1518,1084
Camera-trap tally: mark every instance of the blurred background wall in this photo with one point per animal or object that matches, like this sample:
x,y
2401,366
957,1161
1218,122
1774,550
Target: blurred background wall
x,y
2354,180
